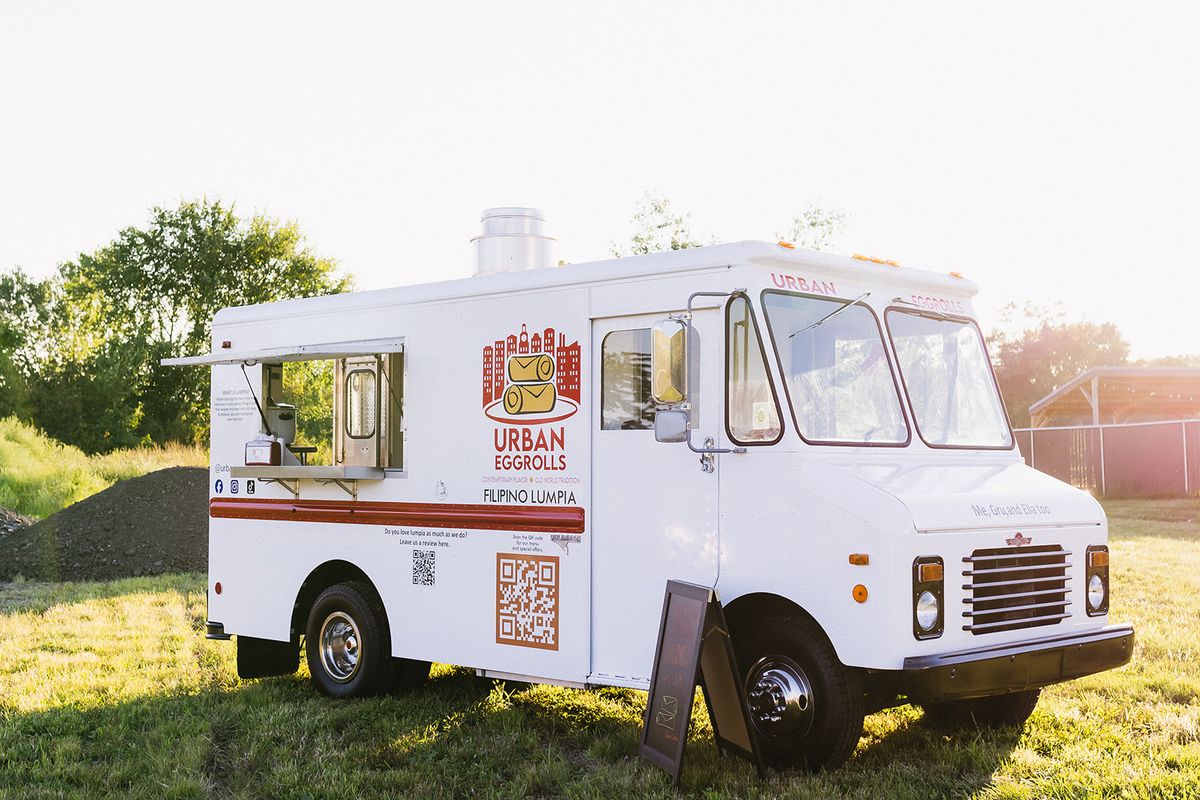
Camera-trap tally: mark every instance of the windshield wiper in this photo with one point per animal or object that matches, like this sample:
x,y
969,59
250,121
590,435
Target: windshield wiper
x,y
832,314
921,308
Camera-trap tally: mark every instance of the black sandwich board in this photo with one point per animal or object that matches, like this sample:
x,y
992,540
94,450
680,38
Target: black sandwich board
x,y
694,647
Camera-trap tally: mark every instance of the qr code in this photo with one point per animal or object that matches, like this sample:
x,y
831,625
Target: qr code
x,y
527,600
424,567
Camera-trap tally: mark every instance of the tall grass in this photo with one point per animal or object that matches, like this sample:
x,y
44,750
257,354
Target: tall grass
x,y
39,476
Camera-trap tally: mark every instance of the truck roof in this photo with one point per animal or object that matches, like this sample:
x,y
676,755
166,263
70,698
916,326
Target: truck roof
x,y
614,270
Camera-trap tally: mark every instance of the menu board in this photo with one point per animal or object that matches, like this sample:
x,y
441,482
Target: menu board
x,y
694,647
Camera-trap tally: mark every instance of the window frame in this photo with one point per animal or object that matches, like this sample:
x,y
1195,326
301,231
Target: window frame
x,y
346,393
916,312
885,342
766,362
603,384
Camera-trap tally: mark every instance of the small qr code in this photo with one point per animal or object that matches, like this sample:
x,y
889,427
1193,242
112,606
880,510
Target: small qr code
x,y
527,600
424,567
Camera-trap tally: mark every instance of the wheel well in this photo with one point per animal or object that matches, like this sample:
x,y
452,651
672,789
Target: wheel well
x,y
320,579
743,611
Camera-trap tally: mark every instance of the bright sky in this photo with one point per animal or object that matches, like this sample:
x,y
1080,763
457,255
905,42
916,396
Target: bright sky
x,y
1047,150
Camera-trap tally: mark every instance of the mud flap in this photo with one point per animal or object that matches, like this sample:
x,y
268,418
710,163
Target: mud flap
x,y
264,658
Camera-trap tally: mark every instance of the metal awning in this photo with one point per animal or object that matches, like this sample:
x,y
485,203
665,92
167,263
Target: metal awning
x,y
304,352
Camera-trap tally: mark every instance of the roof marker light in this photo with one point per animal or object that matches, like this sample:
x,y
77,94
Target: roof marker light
x,y
788,245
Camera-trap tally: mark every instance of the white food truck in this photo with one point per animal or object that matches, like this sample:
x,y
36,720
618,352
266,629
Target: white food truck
x,y
522,459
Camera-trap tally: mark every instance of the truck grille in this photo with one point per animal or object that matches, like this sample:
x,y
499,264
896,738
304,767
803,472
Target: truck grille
x,y
1010,588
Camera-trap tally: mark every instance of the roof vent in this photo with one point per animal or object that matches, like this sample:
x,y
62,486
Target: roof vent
x,y
512,240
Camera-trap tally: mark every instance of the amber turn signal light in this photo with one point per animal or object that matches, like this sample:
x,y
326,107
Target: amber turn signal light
x,y
860,559
860,593
928,573
1098,558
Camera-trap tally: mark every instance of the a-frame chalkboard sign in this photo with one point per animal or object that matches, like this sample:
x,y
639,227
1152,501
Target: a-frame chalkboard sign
x,y
694,648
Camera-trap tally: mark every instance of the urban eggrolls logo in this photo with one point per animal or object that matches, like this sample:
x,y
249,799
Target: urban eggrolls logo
x,y
531,379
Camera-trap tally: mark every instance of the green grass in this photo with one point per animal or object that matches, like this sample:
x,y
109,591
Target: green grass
x,y
112,690
39,476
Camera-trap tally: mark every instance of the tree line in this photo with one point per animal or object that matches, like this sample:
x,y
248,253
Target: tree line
x,y
80,350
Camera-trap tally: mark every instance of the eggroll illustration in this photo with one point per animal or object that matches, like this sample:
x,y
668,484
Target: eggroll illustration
x,y
538,367
529,398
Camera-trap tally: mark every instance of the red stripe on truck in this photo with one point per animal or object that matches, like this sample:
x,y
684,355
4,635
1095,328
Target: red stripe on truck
x,y
545,519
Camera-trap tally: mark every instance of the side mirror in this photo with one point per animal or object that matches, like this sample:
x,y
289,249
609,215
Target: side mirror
x,y
671,425
668,363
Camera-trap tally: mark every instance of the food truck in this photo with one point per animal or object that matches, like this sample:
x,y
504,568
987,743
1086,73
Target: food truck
x,y
521,459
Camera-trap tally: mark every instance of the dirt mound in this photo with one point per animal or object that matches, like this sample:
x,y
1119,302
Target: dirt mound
x,y
11,521
150,525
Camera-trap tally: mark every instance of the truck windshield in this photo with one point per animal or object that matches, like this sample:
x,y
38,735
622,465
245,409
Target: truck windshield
x,y
949,382
837,375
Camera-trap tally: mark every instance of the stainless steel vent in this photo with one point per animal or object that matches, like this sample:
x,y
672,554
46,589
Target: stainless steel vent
x,y
1009,588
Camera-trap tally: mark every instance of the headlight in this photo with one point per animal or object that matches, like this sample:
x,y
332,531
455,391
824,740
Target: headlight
x,y
927,592
927,610
1096,575
1095,592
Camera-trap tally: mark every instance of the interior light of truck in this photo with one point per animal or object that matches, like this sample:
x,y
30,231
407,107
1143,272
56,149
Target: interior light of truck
x,y
860,559
929,573
860,593
928,617
1096,577
928,610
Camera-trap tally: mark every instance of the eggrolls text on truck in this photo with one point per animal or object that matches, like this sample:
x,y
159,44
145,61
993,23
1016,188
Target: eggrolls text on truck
x,y
538,367
528,398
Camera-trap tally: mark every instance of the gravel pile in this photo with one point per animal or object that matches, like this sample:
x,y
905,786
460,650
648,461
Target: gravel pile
x,y
11,521
154,524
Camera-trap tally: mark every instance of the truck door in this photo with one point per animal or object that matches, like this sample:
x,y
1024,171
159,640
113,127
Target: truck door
x,y
356,398
654,506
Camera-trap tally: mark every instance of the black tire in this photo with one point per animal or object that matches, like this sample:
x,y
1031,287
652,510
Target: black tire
x,y
356,660
825,732
999,711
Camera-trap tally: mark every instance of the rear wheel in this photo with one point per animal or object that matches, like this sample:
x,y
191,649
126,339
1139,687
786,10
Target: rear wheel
x,y
1003,710
348,645
805,707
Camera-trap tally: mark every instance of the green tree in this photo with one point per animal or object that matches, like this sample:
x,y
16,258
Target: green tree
x,y
25,306
1035,350
657,227
814,228
152,294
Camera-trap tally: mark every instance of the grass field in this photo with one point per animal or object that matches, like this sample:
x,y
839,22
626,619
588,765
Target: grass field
x,y
39,476
112,690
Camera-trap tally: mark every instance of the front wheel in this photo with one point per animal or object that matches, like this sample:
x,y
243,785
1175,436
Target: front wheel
x,y
1004,710
806,709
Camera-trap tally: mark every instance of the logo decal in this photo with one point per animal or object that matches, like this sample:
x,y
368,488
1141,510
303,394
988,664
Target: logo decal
x,y
531,380
1018,540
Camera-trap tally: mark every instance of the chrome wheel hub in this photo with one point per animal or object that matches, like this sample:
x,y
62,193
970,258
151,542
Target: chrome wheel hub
x,y
340,647
780,698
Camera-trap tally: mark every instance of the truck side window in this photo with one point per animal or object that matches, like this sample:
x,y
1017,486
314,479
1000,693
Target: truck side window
x,y
361,400
625,402
752,415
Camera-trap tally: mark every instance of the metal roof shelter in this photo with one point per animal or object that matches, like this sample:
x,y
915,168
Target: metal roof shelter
x,y
1115,395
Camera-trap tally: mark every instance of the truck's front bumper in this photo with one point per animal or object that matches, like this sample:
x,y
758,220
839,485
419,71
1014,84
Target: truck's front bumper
x,y
1016,666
